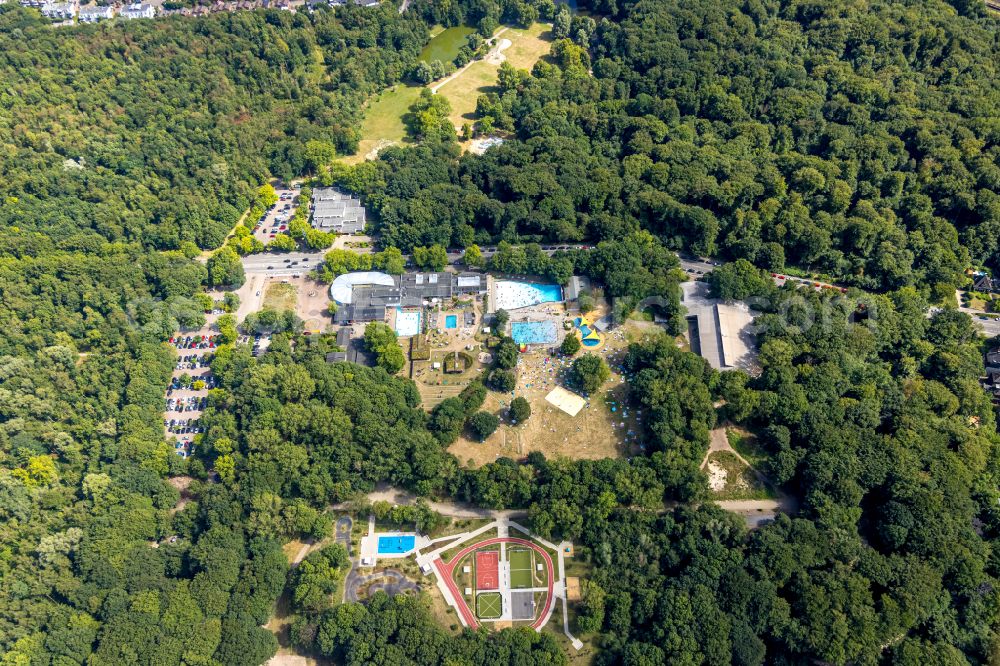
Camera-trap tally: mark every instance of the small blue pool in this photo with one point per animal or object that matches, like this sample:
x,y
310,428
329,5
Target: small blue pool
x,y
451,321
533,332
395,544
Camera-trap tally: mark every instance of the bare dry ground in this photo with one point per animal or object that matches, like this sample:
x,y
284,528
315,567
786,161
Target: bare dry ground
x,y
596,432
308,298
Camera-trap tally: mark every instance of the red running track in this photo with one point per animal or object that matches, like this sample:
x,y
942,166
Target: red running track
x,y
446,572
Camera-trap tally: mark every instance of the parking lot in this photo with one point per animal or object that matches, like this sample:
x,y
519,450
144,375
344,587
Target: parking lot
x,y
275,220
187,394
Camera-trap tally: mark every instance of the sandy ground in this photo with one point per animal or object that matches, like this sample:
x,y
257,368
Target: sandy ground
x,y
719,441
251,295
496,56
716,477
290,660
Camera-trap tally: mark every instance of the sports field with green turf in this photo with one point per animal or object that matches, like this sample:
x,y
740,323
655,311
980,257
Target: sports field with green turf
x,y
520,569
489,605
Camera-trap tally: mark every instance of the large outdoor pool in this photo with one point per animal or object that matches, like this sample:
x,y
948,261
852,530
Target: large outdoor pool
x,y
407,323
533,332
395,544
451,321
511,295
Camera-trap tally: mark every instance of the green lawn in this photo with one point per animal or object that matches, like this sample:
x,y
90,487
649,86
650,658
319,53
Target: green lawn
x,y
520,569
446,44
383,123
280,296
488,605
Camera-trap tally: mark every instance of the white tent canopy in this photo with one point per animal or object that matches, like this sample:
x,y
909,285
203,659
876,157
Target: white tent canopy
x,y
340,290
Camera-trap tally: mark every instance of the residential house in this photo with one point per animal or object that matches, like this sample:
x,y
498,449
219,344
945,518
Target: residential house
x,y
95,14
59,10
985,284
138,11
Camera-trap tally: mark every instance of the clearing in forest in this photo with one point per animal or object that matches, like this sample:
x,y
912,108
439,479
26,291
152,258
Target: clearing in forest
x,y
522,48
383,122
730,478
445,45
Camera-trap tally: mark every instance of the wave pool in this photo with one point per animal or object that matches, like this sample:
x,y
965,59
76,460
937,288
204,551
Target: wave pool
x,y
511,294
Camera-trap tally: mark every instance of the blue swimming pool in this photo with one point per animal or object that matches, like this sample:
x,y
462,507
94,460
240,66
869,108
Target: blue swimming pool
x,y
511,295
451,321
533,332
407,322
395,544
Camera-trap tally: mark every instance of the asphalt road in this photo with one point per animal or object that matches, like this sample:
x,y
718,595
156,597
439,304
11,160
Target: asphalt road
x,y
289,263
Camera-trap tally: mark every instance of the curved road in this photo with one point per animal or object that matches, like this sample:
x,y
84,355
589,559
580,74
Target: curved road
x,y
446,570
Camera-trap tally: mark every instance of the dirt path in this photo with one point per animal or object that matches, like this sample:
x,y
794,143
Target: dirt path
x,y
458,73
301,555
450,509
719,441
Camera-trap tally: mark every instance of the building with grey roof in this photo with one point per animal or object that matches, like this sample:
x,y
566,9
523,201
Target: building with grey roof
x,y
138,11
369,301
95,14
59,10
336,212
719,332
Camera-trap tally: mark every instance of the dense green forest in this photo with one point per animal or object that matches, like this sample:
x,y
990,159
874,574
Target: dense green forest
x,y
158,132
859,139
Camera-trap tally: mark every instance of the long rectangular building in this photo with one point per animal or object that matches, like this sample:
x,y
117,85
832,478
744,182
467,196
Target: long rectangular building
x,y
369,302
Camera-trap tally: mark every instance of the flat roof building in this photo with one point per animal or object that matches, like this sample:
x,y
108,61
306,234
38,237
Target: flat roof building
x,y
366,296
719,332
336,212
